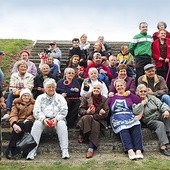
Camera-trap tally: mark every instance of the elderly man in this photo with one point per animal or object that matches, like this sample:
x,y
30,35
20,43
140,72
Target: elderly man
x,y
50,111
156,84
104,72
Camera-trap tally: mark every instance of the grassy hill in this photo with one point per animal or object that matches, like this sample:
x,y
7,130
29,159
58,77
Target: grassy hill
x,y
12,48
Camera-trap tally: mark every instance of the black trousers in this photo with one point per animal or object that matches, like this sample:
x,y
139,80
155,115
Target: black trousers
x,y
15,137
73,107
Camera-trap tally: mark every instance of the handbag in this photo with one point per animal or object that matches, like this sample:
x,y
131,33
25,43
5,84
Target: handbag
x,y
26,144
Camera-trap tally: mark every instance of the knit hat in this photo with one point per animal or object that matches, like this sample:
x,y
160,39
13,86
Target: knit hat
x,y
26,90
121,67
24,51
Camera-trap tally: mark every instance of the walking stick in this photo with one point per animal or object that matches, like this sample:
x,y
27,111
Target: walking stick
x,y
167,76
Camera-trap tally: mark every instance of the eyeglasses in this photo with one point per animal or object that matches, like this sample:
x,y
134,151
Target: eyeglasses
x,y
142,91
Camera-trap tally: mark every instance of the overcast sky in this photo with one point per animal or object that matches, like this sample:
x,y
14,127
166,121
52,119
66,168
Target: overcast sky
x,y
116,20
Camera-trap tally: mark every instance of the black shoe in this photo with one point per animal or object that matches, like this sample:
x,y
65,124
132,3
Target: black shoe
x,y
165,152
9,154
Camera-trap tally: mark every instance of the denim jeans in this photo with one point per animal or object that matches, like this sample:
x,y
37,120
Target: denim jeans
x,y
166,99
9,100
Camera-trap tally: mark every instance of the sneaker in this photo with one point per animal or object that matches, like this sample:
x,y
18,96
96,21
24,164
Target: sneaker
x,y
65,154
165,151
132,155
5,117
139,154
31,155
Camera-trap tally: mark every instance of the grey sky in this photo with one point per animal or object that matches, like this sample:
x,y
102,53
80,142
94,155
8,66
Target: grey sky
x,y
66,19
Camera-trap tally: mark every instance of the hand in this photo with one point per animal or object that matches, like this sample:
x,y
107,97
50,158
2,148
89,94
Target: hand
x,y
150,91
102,71
165,114
64,94
111,94
2,105
16,128
40,89
54,121
166,60
161,59
91,110
102,112
76,89
46,122
144,101
138,117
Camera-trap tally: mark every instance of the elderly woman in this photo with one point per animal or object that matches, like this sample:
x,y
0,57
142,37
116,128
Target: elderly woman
x,y
123,120
21,120
93,112
156,116
39,79
24,55
122,74
161,26
50,111
19,80
87,85
69,87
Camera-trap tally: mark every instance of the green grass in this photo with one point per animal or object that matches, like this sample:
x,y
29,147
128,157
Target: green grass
x,y
152,162
12,48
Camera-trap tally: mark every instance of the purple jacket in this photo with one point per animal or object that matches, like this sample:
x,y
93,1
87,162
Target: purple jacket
x,y
130,85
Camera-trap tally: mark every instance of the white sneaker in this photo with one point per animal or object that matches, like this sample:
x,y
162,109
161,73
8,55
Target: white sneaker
x,y
139,154
65,154
5,117
31,155
132,155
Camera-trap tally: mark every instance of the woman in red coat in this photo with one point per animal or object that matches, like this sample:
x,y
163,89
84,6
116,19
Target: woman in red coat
x,y
161,54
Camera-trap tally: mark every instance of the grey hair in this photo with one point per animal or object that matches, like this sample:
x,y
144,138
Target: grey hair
x,y
161,23
42,65
68,69
145,23
92,69
98,83
49,81
139,87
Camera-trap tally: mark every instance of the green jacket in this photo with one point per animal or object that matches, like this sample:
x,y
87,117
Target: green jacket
x,y
141,45
154,109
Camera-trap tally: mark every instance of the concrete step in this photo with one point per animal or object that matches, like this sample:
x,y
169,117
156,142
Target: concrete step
x,y
109,142
64,46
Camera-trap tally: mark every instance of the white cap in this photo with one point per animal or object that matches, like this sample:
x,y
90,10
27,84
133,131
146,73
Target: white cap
x,y
26,90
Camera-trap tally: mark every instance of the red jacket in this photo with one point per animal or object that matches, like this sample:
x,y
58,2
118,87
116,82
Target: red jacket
x,y
104,67
156,52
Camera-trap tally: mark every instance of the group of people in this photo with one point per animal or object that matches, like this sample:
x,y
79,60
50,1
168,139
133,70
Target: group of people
x,y
98,90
